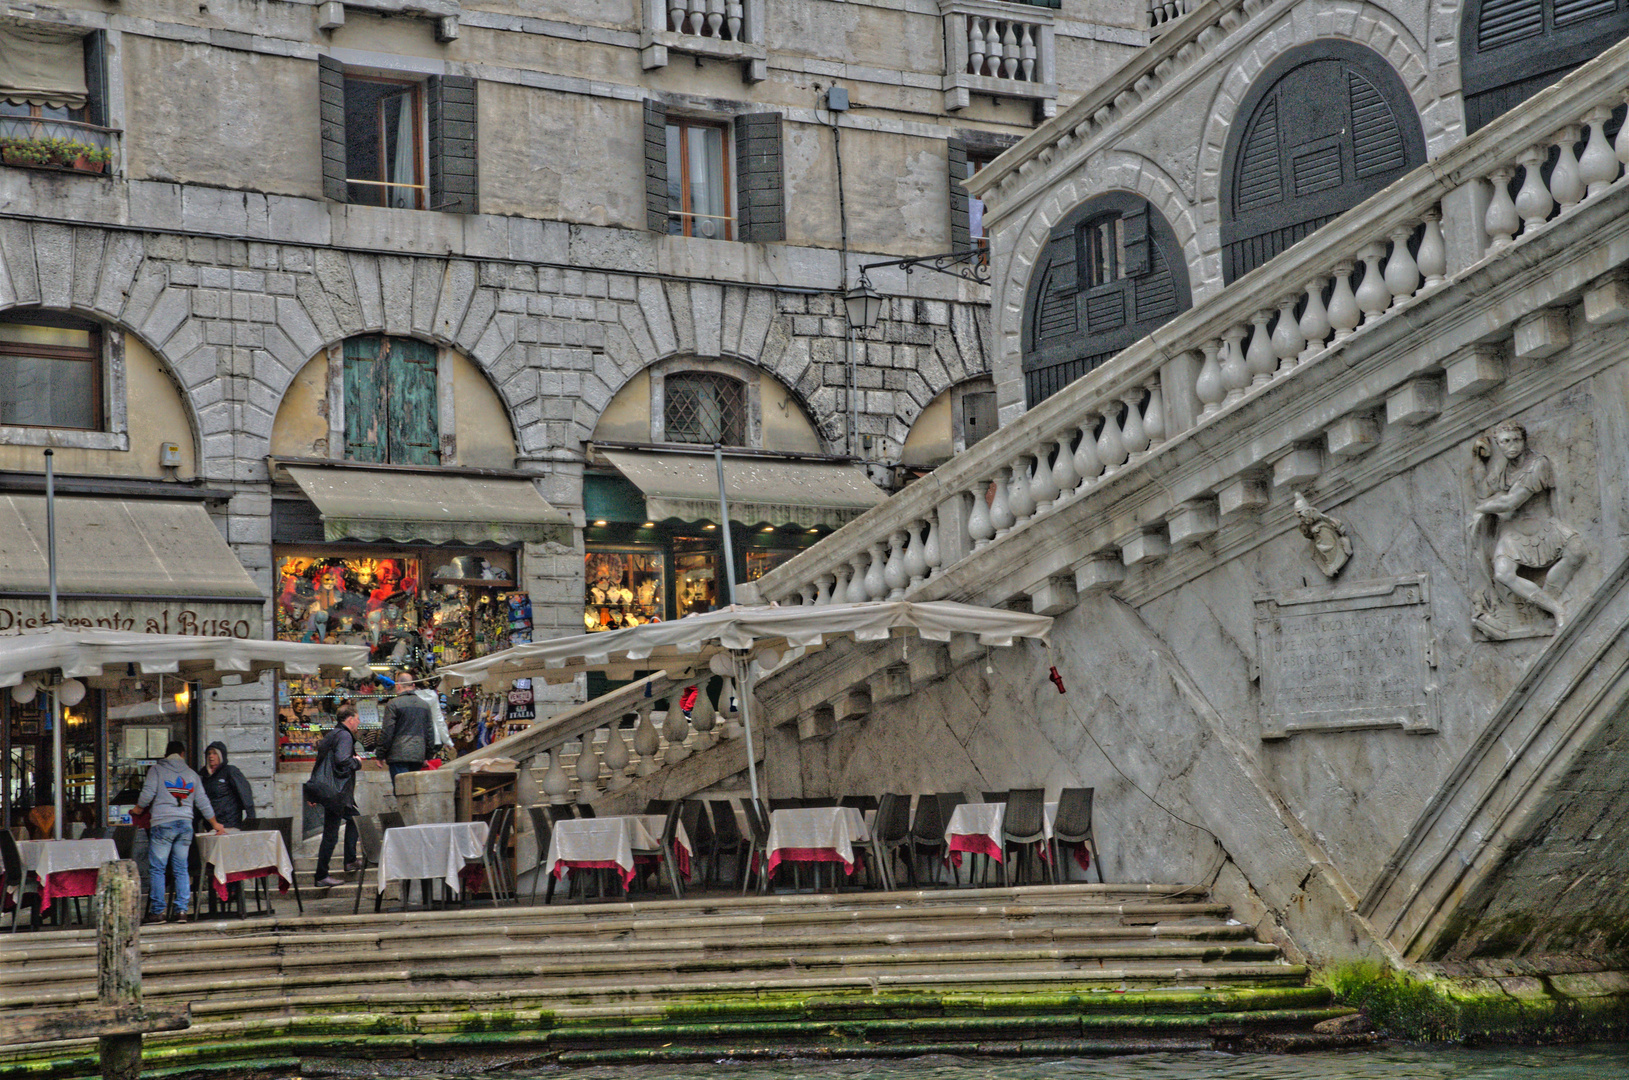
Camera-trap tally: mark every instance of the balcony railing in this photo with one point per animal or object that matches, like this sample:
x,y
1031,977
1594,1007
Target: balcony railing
x,y
1301,308
720,29
42,143
1162,13
999,49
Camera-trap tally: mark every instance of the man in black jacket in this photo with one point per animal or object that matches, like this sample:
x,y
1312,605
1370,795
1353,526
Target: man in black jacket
x,y
408,731
340,744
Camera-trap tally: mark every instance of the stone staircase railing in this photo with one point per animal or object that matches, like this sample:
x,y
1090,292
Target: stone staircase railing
x,y
1476,202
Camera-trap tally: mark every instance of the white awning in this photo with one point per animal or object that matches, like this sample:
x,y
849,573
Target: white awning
x,y
436,508
120,547
42,65
91,654
685,644
761,491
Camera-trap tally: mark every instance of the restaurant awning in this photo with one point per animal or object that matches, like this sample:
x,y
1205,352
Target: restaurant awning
x,y
94,654
436,508
762,491
120,547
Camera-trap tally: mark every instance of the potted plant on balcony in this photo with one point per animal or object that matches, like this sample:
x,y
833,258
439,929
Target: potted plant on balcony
x,y
85,157
55,153
23,151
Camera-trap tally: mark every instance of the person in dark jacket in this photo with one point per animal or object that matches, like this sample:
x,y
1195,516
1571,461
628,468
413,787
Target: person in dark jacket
x,y
227,789
408,731
339,744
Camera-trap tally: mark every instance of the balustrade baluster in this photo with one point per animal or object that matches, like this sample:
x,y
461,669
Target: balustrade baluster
x,y
1064,476
715,17
1314,324
1402,272
556,784
1565,183
1009,51
698,16
823,586
1019,499
677,13
733,13
1235,373
1208,386
992,48
1258,358
975,45
1088,466
1432,259
916,559
875,581
1597,165
894,575
646,741
1132,432
1042,489
1111,448
1288,340
839,590
677,728
806,594
1533,201
1026,54
979,526
1501,220
617,757
1343,311
1154,414
587,770
1001,516
1622,145
1373,297
933,553
855,593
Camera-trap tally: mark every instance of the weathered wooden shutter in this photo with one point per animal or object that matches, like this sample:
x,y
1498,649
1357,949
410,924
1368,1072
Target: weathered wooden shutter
x,y
1512,49
367,393
656,166
1063,244
96,104
1135,241
331,109
454,176
1377,141
414,433
761,206
1506,21
1259,183
961,236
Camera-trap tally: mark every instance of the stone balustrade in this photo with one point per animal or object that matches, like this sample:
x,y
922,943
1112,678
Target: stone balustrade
x,y
1000,49
1110,429
1162,13
720,29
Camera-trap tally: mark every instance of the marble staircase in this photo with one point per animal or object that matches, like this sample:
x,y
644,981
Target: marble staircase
x,y
1046,969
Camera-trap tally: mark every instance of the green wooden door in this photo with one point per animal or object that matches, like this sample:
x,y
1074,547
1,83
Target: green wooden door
x,y
391,414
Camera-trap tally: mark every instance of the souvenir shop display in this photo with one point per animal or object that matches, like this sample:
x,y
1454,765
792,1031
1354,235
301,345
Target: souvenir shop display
x,y
624,588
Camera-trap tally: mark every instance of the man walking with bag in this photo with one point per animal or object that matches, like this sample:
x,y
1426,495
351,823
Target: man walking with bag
x,y
408,732
333,787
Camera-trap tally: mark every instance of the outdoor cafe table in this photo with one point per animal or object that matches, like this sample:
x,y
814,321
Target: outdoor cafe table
x,y
976,828
426,852
608,843
65,868
816,834
241,856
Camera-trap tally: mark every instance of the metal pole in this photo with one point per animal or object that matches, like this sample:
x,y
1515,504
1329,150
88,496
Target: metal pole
x,y
741,664
59,779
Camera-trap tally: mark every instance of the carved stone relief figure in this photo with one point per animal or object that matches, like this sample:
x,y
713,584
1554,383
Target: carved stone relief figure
x,y
1331,544
1514,529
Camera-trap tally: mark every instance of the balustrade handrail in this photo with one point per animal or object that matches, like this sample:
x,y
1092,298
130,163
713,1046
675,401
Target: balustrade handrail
x,y
1542,121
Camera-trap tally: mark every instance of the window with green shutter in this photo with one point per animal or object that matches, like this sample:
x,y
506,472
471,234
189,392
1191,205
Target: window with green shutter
x,y
391,414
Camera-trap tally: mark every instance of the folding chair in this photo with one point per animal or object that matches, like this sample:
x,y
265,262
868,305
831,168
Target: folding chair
x,y
15,881
285,825
495,855
927,833
758,826
698,826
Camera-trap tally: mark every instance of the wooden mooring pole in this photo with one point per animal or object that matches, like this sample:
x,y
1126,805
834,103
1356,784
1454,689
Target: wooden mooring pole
x,y
118,963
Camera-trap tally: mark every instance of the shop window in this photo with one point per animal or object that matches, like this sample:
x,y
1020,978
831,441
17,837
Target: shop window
x,y
391,414
626,587
50,371
704,407
53,98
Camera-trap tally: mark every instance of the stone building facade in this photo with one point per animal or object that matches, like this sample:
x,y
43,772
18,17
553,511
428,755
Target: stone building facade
x,y
551,201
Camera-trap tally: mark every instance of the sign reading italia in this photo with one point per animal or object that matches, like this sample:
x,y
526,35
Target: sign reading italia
x,y
159,617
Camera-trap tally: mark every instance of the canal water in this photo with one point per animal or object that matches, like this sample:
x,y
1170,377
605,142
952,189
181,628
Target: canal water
x,y
1592,1062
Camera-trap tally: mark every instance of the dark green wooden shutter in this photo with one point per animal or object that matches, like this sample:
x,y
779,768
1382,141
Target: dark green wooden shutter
x,y
1134,233
415,437
1507,21
656,166
1063,245
331,108
96,78
454,176
961,237
366,397
761,213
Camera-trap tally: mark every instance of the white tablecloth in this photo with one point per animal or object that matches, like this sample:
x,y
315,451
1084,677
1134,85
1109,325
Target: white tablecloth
x,y
413,852
808,834
979,824
54,856
244,853
609,841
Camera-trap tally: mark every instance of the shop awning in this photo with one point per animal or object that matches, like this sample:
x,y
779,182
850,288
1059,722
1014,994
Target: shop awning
x,y
79,653
436,508
120,547
761,491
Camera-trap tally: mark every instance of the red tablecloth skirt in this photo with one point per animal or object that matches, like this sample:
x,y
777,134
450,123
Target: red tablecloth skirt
x,y
247,875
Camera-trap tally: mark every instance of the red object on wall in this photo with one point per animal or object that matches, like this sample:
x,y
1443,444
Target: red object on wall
x,y
1057,680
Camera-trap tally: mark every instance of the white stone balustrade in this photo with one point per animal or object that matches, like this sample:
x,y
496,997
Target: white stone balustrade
x,y
1264,328
1003,49
1163,12
720,29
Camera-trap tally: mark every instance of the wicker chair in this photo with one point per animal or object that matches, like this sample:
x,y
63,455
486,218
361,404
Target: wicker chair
x,y
891,833
1023,830
663,851
1073,828
728,840
928,834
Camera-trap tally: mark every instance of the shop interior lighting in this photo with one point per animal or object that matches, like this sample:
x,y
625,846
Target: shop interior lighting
x,y
601,523
709,526
648,525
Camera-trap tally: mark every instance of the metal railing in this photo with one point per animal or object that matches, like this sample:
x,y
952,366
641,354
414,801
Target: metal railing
x,y
41,142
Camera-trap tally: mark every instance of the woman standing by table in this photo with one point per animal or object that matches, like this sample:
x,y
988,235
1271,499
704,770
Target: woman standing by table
x,y
227,788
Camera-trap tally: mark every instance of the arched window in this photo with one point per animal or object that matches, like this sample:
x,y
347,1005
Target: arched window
x,y
1509,50
1111,272
391,401
1329,125
704,407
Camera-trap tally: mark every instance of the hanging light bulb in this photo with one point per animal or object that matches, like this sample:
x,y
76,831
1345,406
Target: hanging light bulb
x,y
71,692
24,691
183,696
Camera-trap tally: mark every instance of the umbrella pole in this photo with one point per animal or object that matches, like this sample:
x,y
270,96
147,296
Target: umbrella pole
x,y
743,667
59,781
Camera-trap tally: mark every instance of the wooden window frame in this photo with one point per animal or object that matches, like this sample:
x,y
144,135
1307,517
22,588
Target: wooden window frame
x,y
1109,227
421,170
92,354
683,213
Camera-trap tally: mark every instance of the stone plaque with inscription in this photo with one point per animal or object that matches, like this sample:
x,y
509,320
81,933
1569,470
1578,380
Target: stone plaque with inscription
x,y
1348,658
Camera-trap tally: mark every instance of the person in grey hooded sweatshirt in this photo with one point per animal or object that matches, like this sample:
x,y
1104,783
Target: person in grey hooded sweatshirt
x,y
173,791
